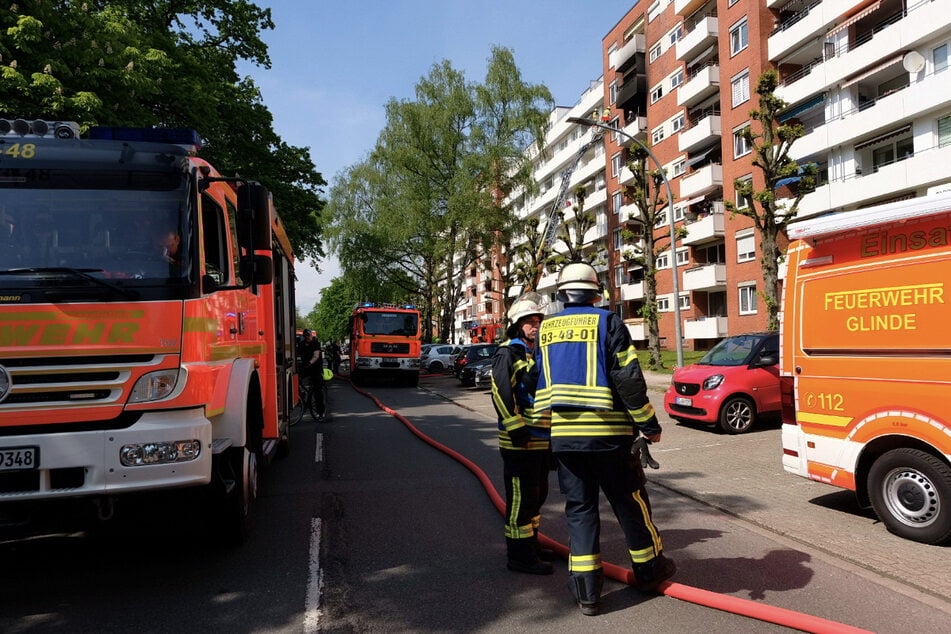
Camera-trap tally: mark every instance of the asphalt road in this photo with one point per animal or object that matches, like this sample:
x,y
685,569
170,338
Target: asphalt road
x,y
369,527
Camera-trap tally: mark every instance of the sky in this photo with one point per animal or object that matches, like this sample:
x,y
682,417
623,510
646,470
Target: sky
x,y
335,65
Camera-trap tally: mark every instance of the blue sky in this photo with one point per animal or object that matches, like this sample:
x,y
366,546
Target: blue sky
x,y
335,65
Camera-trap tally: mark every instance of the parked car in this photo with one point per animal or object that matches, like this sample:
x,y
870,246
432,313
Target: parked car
x,y
471,372
438,357
733,385
473,352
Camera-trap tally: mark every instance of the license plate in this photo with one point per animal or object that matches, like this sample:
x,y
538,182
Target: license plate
x,y
19,458
683,400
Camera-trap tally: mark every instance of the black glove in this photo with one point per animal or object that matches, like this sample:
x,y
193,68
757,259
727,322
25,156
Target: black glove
x,y
519,436
640,447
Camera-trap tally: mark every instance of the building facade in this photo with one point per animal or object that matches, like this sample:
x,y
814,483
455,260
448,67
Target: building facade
x,y
864,78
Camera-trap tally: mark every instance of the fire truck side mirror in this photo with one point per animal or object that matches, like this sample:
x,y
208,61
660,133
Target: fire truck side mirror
x,y
254,208
258,269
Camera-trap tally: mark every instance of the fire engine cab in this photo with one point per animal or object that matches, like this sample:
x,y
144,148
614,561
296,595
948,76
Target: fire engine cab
x,y
146,323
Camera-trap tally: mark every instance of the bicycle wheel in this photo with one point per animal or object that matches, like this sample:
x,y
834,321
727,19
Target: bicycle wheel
x,y
297,413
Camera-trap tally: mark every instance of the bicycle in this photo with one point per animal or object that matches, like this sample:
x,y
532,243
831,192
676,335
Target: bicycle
x,y
308,403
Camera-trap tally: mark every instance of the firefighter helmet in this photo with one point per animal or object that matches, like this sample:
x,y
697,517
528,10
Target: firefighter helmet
x,y
526,305
579,276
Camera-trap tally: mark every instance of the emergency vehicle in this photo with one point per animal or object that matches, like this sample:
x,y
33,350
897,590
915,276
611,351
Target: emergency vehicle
x,y
865,360
486,333
384,343
146,324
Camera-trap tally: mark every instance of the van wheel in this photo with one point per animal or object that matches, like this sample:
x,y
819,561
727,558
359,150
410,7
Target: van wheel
x,y
910,491
737,415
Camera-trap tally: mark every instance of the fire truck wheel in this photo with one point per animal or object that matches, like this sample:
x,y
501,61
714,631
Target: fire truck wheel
x,y
239,504
910,491
737,415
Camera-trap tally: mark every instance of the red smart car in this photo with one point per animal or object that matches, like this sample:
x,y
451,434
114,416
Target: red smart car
x,y
733,384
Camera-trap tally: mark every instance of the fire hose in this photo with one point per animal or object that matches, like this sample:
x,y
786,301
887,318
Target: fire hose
x,y
699,596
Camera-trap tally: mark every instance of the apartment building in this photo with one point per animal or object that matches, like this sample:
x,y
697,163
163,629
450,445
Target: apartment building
x,y
864,77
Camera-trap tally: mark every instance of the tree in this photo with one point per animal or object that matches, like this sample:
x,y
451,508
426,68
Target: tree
x,y
425,205
161,63
771,147
646,246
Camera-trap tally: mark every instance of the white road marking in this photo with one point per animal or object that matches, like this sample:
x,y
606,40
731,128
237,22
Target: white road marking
x,y
319,453
315,580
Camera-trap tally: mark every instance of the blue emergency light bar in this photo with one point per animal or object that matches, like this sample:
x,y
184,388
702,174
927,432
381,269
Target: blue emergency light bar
x,y
178,136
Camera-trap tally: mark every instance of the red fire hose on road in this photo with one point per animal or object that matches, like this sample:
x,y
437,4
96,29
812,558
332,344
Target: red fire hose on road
x,y
735,605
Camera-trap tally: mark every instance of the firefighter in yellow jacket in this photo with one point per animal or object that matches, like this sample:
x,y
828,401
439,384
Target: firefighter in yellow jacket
x,y
523,437
591,384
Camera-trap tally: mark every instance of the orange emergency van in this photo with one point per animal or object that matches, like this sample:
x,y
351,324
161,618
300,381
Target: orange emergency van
x,y
146,325
866,360
385,343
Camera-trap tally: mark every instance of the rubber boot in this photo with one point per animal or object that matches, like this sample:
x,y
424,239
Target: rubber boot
x,y
586,589
649,575
522,557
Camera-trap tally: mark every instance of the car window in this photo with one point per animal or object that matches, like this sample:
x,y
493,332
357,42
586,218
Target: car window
x,y
732,351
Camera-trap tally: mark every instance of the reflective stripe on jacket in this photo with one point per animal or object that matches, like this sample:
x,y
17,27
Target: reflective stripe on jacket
x,y
514,377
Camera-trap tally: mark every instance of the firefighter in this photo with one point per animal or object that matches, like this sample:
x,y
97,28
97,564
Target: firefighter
x,y
523,437
591,385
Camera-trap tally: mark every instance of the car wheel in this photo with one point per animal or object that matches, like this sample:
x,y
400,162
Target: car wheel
x,y
910,491
737,415
435,366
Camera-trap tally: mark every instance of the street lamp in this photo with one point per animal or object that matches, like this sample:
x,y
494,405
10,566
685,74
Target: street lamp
x,y
591,123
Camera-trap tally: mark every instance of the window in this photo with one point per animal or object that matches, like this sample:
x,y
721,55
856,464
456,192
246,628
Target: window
x,y
215,240
654,11
683,256
618,276
674,35
617,201
657,135
685,301
944,131
679,212
678,168
741,88
657,93
663,304
663,261
676,79
748,298
743,202
655,52
661,219
618,240
678,122
745,246
616,165
612,92
741,145
739,37
940,58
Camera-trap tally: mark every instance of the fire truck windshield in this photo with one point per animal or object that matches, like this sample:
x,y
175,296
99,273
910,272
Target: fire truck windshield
x,y
128,236
391,323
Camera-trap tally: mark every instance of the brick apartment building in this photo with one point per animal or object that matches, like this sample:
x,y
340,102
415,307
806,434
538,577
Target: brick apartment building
x,y
866,78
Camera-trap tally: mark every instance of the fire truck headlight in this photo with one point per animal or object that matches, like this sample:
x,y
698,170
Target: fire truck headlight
x,y
712,382
154,386
159,452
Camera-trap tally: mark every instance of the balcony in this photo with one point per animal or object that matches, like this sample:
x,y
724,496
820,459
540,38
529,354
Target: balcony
x,y
707,277
625,176
705,229
636,128
702,181
626,56
632,94
703,84
700,134
632,291
686,7
704,34
705,328
637,328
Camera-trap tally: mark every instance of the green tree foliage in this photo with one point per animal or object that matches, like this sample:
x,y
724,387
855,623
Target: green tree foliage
x,y
161,63
427,203
771,147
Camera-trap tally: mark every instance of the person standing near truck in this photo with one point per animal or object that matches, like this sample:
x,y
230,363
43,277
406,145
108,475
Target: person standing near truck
x,y
523,437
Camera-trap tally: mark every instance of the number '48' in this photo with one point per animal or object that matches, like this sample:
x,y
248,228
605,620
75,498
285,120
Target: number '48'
x,y
26,150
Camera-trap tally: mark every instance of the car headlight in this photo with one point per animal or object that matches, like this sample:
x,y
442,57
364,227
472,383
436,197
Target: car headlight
x,y
712,382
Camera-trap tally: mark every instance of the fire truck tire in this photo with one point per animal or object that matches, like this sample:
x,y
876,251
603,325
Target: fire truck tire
x,y
412,380
910,491
239,505
737,415
356,377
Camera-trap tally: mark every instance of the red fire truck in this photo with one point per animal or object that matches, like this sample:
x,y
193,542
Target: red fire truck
x,y
384,343
146,323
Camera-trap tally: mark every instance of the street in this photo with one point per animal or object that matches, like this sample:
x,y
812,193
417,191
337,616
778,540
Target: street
x,y
368,526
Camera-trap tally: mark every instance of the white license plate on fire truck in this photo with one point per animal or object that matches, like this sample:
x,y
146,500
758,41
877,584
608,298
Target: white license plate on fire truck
x,y
683,400
19,458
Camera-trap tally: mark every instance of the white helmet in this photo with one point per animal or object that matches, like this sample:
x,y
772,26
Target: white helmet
x,y
526,305
579,276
